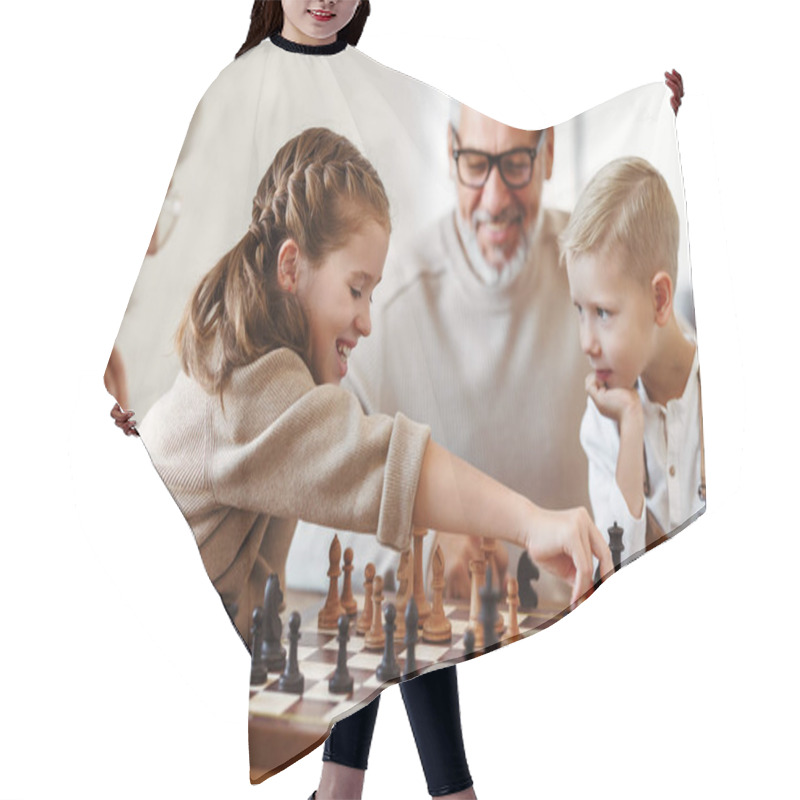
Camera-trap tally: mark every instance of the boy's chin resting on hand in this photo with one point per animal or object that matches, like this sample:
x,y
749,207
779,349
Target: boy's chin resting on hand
x,y
615,403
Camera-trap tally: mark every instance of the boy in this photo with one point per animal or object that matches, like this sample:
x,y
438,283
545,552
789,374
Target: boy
x,y
642,430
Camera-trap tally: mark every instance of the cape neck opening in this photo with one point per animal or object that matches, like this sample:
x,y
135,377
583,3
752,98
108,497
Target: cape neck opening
x,y
308,49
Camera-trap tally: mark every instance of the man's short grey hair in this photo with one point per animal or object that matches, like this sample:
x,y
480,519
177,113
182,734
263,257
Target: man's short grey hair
x,y
455,113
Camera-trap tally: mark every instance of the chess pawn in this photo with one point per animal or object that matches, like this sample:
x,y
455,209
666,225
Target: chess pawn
x,y
365,620
292,680
423,606
375,637
348,601
437,627
477,572
341,681
388,669
332,610
512,593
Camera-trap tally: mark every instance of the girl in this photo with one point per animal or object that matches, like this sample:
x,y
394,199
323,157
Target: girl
x,y
256,431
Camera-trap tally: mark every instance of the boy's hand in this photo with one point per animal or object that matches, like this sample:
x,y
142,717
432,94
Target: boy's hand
x,y
613,403
563,542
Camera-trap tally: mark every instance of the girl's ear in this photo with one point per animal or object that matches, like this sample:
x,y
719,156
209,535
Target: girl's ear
x,y
662,296
288,265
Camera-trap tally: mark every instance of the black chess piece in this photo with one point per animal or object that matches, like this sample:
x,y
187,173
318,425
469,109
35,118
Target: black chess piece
x,y
489,600
615,544
258,668
292,679
388,668
469,644
274,651
527,572
412,621
341,681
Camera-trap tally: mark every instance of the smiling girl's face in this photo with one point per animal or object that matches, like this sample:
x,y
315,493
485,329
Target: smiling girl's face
x,y
315,22
336,296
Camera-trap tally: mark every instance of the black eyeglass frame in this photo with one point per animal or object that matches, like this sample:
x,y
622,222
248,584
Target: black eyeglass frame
x,y
496,159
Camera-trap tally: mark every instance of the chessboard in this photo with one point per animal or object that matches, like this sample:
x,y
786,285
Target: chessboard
x,y
285,725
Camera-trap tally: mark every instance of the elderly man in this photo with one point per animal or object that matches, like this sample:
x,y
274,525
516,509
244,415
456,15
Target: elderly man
x,y
476,333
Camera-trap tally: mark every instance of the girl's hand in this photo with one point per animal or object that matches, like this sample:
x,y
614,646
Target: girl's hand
x,y
613,403
563,542
124,420
675,83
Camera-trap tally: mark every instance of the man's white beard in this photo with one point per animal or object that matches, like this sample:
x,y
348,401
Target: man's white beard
x,y
488,273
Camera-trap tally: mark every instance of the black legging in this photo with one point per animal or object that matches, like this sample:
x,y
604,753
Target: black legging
x,y
432,707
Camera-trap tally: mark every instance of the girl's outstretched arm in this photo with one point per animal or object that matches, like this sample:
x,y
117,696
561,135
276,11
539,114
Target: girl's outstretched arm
x,y
454,496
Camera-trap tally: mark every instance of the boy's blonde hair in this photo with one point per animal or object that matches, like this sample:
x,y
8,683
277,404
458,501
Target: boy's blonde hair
x,y
626,204
318,191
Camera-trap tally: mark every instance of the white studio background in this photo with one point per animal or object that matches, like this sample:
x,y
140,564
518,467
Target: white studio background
x,y
120,675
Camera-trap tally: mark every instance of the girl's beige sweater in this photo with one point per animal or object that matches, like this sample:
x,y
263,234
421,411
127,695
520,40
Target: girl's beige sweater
x,y
276,448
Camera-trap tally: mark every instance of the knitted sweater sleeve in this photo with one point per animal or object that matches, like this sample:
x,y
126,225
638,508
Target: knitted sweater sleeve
x,y
286,447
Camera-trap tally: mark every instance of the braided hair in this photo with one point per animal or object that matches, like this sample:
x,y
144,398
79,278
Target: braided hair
x,y
266,19
318,191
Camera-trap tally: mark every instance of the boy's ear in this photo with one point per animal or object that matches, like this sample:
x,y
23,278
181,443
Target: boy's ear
x,y
661,286
288,265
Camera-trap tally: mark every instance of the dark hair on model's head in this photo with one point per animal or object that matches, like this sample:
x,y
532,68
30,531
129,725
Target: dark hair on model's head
x,y
266,19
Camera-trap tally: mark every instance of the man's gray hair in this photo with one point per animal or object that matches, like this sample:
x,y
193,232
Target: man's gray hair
x,y
455,113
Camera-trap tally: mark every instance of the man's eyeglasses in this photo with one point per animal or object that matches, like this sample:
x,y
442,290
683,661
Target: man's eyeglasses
x,y
515,166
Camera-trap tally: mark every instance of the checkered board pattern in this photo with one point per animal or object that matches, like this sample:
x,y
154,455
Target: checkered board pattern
x,y
317,654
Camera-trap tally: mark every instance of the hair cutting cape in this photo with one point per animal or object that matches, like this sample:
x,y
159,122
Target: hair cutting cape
x,y
496,371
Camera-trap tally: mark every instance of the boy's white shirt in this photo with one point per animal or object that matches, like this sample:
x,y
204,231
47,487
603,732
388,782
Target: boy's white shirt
x,y
672,444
